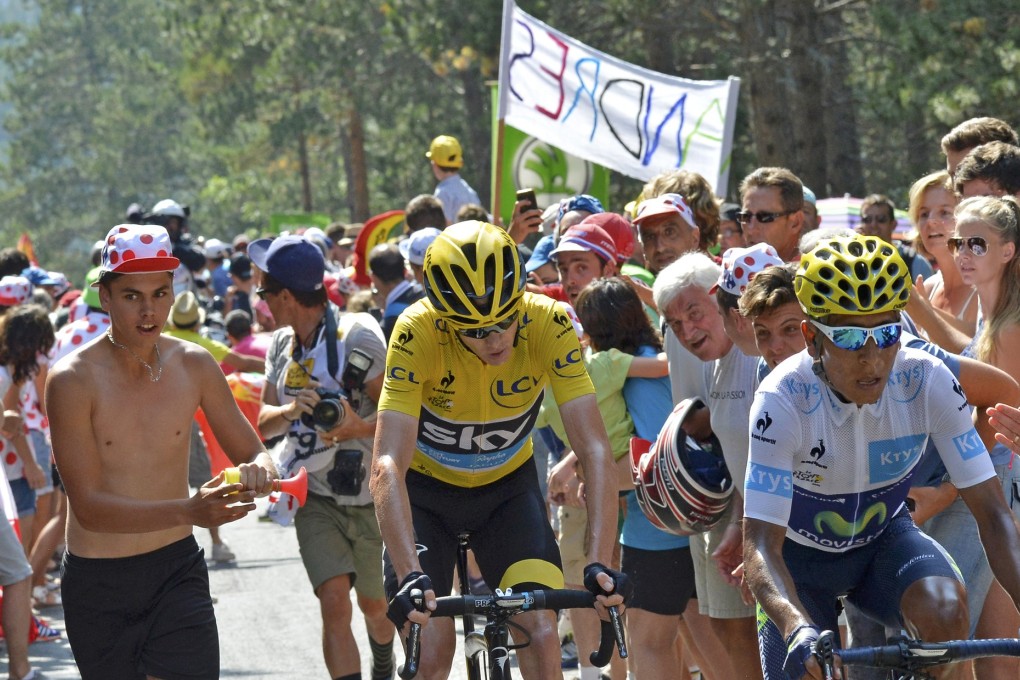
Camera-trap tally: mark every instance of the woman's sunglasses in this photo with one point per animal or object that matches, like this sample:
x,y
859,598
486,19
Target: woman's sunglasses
x,y
975,244
853,338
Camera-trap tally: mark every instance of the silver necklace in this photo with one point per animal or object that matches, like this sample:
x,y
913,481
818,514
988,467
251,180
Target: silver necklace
x,y
154,377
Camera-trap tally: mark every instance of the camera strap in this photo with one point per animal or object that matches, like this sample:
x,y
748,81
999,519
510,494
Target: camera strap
x,y
332,360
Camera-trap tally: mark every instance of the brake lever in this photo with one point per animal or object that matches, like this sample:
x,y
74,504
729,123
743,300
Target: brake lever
x,y
412,645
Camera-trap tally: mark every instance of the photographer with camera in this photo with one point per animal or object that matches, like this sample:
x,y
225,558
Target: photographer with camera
x,y
324,374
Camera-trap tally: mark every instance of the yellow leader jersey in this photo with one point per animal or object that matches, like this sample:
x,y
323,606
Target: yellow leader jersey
x,y
475,420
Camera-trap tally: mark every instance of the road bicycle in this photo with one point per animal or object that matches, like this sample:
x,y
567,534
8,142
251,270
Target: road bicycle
x,y
909,659
499,608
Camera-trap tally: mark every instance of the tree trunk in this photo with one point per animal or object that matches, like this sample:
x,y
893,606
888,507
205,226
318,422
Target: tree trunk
x,y
766,85
478,150
807,151
306,174
357,167
839,113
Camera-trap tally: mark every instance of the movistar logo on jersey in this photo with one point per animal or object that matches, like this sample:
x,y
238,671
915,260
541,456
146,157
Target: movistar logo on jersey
x,y
830,521
890,459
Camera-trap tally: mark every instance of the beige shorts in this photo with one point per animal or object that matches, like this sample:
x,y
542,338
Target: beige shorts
x,y
573,540
341,539
716,598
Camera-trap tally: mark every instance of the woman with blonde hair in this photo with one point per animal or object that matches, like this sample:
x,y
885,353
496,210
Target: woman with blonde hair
x,y
985,248
932,203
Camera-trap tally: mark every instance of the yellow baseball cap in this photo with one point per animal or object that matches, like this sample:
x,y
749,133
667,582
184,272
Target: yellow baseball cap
x,y
446,152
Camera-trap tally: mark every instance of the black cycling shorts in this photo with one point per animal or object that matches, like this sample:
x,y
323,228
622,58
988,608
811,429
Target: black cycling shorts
x,y
873,577
149,614
509,531
663,580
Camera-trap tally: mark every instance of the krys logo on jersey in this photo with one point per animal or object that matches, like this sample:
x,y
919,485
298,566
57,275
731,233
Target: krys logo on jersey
x,y
807,396
890,459
907,382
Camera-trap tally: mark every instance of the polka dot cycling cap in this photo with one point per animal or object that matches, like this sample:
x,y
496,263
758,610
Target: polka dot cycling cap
x,y
14,290
138,249
740,265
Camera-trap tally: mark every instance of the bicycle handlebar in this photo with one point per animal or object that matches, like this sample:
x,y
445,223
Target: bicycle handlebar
x,y
506,606
912,655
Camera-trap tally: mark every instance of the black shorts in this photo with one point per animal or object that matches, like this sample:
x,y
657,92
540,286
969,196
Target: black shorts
x,y
149,614
873,577
510,532
663,580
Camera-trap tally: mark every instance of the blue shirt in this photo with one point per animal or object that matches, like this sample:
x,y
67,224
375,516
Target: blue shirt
x,y
649,402
454,192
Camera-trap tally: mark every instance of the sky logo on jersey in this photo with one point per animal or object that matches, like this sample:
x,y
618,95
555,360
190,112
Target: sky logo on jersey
x,y
890,459
770,480
969,445
439,435
401,374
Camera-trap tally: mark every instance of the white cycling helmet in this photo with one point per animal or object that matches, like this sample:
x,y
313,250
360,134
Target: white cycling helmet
x,y
169,208
682,487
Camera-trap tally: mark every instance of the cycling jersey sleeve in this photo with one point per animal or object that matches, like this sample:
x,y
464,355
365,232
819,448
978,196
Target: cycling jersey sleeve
x,y
559,353
768,484
407,363
958,443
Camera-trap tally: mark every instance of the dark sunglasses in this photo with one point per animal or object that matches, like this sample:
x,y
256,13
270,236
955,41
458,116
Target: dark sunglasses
x,y
879,219
745,217
975,244
482,333
853,338
263,293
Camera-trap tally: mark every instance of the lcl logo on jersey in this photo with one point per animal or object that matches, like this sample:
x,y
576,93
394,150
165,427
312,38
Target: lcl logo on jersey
x,y
402,374
513,392
569,365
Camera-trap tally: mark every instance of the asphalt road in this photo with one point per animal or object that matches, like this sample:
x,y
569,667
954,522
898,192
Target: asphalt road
x,y
268,617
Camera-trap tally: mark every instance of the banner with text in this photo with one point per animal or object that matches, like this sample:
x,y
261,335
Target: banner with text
x,y
630,119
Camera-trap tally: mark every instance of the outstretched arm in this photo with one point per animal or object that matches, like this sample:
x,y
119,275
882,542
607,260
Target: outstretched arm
x,y
97,507
1000,533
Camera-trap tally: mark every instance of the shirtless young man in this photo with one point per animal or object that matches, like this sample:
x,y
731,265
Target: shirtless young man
x,y
135,584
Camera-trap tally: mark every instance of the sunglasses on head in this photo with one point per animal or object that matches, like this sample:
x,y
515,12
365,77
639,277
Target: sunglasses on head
x,y
853,338
482,333
975,244
744,217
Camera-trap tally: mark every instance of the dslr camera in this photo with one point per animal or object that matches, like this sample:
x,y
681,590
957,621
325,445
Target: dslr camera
x,y
328,413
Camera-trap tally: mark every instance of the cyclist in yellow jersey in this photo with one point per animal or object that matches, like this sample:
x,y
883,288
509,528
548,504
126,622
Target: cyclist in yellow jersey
x,y
465,372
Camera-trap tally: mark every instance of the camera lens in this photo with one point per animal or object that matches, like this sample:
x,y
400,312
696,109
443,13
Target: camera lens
x,y
328,413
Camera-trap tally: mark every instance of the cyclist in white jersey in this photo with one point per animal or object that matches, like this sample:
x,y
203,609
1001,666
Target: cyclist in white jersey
x,y
835,435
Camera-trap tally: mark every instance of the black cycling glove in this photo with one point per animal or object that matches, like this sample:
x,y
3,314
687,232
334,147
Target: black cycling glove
x,y
799,648
621,584
401,605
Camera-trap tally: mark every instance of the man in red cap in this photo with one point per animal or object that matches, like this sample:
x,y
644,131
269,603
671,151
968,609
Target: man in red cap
x,y
135,584
585,253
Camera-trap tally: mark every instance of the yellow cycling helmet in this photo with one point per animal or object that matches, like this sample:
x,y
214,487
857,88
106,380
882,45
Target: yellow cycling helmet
x,y
474,276
852,275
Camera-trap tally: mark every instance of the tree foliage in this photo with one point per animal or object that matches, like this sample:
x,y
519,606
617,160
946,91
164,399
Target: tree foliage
x,y
243,108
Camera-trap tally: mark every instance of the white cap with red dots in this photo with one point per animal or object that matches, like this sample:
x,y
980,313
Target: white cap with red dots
x,y
138,249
